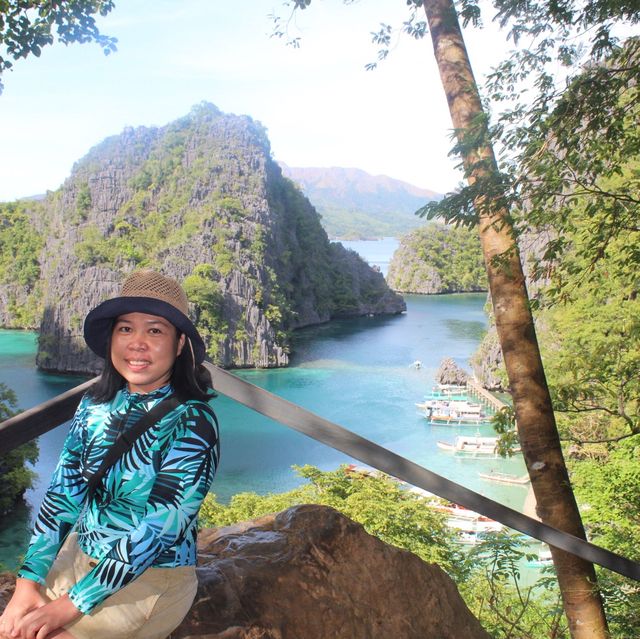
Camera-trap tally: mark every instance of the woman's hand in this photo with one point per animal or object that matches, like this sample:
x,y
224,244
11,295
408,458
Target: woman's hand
x,y
42,621
26,598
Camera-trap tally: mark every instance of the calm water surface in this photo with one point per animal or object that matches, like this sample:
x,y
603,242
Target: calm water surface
x,y
354,372
376,252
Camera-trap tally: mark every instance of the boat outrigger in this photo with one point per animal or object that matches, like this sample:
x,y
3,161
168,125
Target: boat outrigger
x,y
452,411
505,478
471,445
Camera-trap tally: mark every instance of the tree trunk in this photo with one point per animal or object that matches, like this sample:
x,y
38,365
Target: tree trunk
x,y
534,413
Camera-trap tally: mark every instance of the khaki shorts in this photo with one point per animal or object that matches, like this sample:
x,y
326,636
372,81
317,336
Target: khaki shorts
x,y
150,607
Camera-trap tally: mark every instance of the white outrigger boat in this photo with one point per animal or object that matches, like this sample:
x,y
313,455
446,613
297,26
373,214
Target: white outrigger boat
x,y
469,524
471,445
449,390
452,411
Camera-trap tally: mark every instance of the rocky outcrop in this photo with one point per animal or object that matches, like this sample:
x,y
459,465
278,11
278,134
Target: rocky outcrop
x,y
487,362
311,573
201,200
450,373
409,274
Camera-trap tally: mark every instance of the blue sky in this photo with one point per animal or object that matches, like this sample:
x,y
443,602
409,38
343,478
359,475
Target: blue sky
x,y
319,105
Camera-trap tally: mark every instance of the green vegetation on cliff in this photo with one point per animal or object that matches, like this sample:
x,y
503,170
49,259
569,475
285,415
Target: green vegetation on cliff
x,y
438,259
202,200
15,477
20,247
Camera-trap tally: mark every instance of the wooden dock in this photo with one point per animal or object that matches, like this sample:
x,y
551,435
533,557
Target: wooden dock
x,y
482,394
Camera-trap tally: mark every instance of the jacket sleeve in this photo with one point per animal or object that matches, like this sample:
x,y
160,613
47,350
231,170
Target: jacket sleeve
x,y
181,484
62,503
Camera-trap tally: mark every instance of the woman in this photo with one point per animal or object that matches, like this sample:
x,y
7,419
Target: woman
x,y
119,560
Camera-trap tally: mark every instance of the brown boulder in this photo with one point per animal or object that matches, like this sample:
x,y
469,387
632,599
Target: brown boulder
x,y
312,573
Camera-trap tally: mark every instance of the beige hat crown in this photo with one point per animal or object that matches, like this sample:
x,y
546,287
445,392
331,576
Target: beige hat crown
x,y
143,291
147,283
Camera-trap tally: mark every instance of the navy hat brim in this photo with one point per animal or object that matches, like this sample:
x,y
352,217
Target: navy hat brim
x,y
99,321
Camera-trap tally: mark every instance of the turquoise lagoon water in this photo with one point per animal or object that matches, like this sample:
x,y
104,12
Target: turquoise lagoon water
x,y
354,372
376,252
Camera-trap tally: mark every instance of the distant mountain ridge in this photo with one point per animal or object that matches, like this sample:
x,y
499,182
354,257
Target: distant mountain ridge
x,y
356,204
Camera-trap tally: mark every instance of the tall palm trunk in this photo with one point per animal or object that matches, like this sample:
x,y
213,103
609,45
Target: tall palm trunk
x,y
534,414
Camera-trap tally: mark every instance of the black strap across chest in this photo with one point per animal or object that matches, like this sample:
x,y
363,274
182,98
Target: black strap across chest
x,y
125,440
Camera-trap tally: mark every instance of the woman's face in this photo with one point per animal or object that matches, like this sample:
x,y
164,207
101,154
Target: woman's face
x,y
143,350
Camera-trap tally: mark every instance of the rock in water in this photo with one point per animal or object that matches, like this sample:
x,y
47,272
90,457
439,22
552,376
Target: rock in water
x,y
312,573
450,373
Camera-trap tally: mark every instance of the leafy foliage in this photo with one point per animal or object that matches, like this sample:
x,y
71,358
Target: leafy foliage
x,y
26,26
439,259
20,246
580,177
504,423
15,477
592,355
608,489
380,504
204,292
494,593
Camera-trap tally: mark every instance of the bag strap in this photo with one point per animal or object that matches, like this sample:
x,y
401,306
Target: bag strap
x,y
125,440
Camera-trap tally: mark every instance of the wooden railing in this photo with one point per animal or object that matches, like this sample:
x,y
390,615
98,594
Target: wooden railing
x,y
40,419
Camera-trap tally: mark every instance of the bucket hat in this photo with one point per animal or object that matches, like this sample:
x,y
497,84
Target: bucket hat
x,y
143,291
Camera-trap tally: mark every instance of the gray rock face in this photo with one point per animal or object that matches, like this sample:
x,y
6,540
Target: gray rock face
x,y
309,572
410,274
449,373
488,364
200,200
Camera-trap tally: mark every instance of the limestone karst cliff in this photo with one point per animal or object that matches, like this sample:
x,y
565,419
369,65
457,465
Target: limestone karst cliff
x,y
199,199
438,259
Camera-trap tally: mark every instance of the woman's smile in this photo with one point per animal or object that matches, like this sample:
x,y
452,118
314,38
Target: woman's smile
x,y
143,350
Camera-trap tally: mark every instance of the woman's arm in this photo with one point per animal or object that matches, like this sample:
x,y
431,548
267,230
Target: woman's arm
x,y
61,505
59,510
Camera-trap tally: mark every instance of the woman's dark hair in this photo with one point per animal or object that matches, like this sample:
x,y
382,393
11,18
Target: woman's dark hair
x,y
189,381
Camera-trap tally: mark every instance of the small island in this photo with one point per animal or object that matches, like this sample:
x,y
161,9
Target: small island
x,y
438,259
